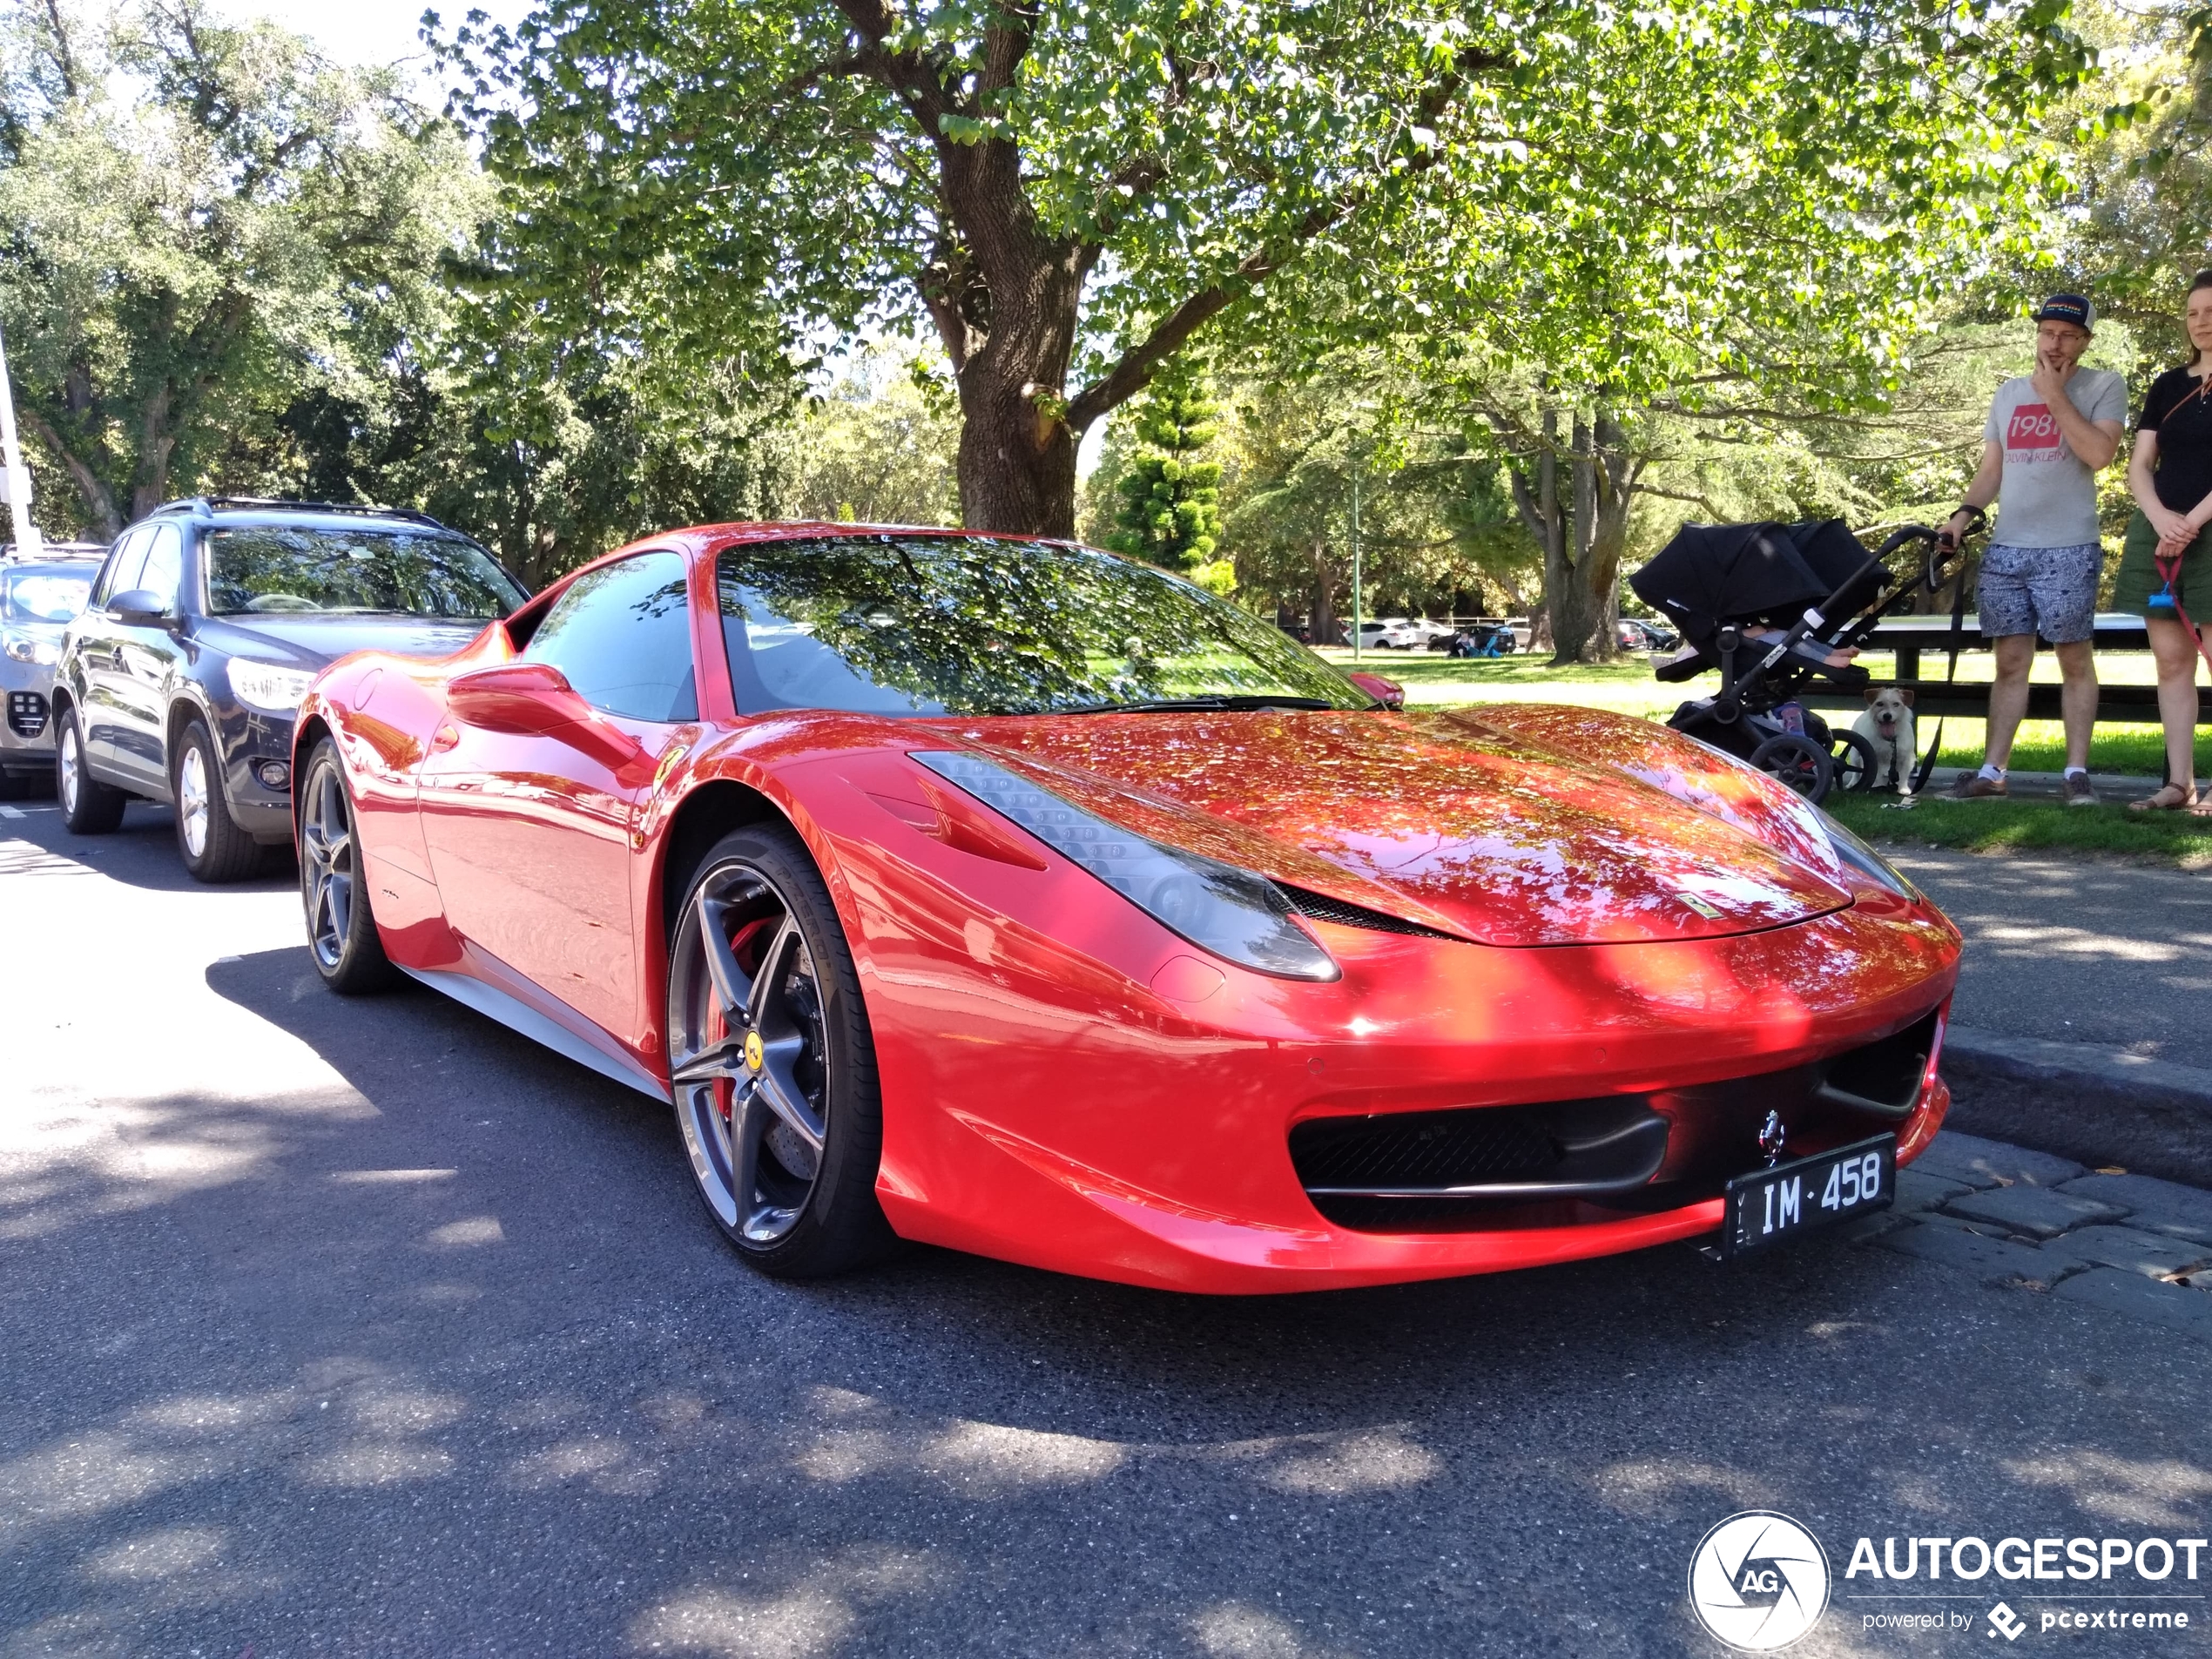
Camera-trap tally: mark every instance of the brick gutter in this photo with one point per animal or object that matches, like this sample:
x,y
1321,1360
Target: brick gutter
x,y
2098,1106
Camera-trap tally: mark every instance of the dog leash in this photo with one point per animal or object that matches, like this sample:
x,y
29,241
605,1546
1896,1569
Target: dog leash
x,y
1925,769
2169,572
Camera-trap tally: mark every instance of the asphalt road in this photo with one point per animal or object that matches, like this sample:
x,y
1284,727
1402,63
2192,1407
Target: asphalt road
x,y
364,1327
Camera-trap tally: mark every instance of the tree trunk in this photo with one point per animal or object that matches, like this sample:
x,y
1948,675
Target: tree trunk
x,y
1324,625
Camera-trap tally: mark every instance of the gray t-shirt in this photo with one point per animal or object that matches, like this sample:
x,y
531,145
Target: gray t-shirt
x,y
2047,498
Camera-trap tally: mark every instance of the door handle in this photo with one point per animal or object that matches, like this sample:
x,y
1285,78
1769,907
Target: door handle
x,y
444,739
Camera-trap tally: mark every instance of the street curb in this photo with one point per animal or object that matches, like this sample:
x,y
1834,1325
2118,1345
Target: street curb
x,y
2101,1107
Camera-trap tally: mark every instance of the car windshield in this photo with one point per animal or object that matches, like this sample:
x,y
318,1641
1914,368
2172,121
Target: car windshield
x,y
414,572
957,624
44,592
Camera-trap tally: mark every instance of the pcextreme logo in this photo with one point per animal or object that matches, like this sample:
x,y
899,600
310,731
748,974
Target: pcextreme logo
x,y
1758,1580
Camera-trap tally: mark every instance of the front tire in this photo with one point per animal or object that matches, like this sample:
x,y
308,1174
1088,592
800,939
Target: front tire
x,y
88,808
342,929
772,1062
213,846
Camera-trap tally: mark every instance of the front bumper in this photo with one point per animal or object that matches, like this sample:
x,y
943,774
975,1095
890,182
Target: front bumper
x,y
1067,1085
26,715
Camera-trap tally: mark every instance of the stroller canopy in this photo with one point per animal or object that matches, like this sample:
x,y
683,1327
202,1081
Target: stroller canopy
x,y
1714,573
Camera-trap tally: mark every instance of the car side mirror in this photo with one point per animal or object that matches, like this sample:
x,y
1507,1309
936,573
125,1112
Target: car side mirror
x,y
1384,690
536,700
140,607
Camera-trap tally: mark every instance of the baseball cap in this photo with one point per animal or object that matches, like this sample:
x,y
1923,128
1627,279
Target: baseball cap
x,y
2069,308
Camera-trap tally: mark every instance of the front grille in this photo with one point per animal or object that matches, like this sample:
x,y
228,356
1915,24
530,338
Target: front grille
x,y
1322,908
1570,1162
26,713
1434,1149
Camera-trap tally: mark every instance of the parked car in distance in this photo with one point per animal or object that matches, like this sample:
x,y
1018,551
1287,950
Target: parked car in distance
x,y
1393,633
204,628
39,596
1636,634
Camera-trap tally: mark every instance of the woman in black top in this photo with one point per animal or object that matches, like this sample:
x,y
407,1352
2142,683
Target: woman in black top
x,y
2171,478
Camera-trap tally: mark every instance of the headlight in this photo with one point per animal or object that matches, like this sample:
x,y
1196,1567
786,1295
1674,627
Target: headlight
x,y
1232,913
267,687
1865,859
29,648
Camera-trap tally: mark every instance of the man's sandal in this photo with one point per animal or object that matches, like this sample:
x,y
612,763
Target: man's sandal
x,y
2169,798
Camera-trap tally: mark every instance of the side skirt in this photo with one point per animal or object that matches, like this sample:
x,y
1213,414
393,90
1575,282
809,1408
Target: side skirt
x,y
518,1016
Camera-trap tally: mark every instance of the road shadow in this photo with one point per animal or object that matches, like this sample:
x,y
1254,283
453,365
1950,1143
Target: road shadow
x,y
436,1351
143,853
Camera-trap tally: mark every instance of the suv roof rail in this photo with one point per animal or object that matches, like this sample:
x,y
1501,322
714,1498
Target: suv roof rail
x,y
210,503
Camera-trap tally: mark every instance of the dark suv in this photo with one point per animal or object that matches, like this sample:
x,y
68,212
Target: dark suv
x,y
205,625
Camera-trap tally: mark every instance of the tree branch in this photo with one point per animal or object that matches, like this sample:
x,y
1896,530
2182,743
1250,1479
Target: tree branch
x,y
99,500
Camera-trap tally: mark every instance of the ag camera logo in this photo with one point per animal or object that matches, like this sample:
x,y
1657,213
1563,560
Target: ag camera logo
x,y
1758,1581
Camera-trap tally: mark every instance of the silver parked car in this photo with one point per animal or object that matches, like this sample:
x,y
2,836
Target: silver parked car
x,y
38,597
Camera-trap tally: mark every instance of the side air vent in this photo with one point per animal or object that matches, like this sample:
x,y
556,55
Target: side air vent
x,y
1322,908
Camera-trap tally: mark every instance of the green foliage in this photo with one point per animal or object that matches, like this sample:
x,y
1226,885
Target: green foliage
x,y
1068,193
1169,494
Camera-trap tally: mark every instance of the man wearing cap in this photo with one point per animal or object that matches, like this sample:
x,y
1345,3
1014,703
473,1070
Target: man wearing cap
x,y
2049,436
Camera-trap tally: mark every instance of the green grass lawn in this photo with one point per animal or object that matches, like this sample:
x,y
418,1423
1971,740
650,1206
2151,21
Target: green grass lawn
x,y
2009,826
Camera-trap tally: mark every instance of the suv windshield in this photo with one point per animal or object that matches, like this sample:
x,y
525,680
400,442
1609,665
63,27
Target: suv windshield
x,y
956,625
44,592
415,572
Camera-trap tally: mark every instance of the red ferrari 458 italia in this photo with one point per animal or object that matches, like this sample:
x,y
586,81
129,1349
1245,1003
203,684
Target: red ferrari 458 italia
x,y
1016,897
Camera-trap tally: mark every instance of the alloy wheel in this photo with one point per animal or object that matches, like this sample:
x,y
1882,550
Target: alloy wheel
x,y
70,763
327,864
749,1054
191,798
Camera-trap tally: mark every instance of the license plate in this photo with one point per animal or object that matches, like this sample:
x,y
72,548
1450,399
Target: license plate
x,y
1768,1206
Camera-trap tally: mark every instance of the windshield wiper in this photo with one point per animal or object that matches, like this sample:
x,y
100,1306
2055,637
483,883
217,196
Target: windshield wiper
x,y
1239,700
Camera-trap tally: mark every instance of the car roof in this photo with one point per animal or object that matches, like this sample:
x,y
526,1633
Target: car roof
x,y
252,509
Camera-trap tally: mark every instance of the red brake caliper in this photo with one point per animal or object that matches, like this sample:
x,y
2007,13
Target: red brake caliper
x,y
746,947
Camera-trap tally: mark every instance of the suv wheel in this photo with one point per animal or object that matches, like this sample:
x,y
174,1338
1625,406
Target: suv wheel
x,y
215,848
88,808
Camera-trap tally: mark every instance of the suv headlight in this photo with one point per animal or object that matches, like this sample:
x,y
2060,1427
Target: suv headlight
x,y
1865,859
29,647
267,686
1239,916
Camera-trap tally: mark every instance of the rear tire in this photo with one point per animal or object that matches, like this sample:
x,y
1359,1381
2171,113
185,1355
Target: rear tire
x,y
88,808
772,1062
214,848
342,939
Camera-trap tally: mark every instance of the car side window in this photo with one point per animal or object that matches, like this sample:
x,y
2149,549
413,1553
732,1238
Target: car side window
x,y
123,566
164,564
622,636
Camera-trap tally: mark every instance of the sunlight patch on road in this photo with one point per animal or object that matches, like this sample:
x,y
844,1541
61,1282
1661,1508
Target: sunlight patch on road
x,y
468,1233
1378,1459
1238,1630
815,1615
159,1554
2163,1493
1661,1486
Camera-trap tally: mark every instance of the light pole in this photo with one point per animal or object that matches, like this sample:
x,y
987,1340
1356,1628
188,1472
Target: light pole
x,y
1355,567
13,473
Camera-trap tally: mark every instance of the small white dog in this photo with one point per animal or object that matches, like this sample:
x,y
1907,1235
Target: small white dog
x,y
1887,725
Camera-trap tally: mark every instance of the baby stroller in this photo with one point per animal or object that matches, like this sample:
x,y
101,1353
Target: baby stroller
x,y
1767,604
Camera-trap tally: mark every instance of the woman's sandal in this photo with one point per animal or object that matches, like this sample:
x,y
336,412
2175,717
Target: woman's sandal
x,y
2171,797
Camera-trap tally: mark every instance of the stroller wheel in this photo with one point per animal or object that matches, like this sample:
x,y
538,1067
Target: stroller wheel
x,y
1855,762
1798,762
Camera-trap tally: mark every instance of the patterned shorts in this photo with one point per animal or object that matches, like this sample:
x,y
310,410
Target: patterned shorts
x,y
2046,590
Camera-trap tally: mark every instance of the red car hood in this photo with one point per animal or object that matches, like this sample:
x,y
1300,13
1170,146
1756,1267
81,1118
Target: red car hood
x,y
1434,818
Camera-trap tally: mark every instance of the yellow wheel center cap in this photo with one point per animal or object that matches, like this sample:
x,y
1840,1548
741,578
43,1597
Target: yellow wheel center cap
x,y
755,1053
